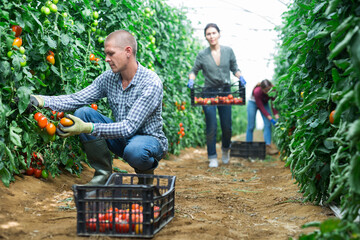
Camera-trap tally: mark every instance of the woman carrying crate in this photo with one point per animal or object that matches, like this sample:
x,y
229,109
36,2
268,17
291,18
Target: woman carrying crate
x,y
260,100
216,62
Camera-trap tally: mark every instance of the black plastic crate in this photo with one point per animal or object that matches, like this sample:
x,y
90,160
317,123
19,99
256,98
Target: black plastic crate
x,y
122,208
248,149
223,95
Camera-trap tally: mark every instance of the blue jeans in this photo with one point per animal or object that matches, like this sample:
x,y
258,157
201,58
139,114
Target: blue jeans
x,y
211,128
251,116
141,152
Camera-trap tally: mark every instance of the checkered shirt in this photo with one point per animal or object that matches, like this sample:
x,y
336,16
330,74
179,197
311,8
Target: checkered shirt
x,y
137,109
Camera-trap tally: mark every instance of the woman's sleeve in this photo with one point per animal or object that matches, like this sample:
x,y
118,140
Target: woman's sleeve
x,y
197,65
233,64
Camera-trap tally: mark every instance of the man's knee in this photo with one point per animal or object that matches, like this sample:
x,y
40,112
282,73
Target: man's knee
x,y
82,112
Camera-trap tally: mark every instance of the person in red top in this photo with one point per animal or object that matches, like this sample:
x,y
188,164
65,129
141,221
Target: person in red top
x,y
260,100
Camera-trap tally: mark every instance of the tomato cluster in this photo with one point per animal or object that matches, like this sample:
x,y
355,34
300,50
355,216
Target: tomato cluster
x,y
44,122
50,6
124,218
180,106
227,100
94,59
17,44
181,132
36,168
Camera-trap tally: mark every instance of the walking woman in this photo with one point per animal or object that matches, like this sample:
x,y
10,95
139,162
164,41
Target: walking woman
x,y
216,62
260,100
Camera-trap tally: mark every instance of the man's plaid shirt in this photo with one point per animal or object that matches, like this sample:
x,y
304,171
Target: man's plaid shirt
x,y
137,109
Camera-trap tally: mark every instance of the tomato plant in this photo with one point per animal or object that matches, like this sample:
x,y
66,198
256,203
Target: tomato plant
x,y
320,58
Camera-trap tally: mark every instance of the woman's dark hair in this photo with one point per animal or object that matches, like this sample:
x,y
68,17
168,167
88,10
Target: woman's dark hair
x,y
263,84
209,25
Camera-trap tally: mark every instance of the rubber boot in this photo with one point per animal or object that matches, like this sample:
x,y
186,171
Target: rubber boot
x,y
147,180
100,159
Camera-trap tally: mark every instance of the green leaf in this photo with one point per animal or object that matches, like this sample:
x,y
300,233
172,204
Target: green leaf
x,y
5,176
5,68
14,136
354,176
329,225
51,43
24,95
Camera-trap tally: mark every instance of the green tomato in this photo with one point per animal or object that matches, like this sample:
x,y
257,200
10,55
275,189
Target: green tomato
x,y
46,22
95,15
47,11
93,29
44,174
47,73
153,32
147,10
64,14
153,40
23,64
22,50
95,23
24,57
43,9
97,1
55,1
53,8
100,39
42,76
9,54
48,3
147,15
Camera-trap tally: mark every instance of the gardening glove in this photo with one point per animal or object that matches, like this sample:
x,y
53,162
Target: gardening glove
x,y
35,101
78,127
273,121
242,81
190,83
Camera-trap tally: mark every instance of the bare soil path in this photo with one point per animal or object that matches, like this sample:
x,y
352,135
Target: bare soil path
x,y
247,199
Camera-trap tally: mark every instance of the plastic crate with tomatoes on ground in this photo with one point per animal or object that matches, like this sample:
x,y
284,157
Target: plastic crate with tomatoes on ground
x,y
122,208
228,94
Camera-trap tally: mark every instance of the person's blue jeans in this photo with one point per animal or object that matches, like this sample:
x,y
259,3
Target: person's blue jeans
x,y
211,121
251,116
141,152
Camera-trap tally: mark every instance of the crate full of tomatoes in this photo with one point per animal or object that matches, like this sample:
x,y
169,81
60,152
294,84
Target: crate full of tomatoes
x,y
124,208
222,95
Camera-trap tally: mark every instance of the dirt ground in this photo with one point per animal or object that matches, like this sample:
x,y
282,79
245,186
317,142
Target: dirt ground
x,y
248,199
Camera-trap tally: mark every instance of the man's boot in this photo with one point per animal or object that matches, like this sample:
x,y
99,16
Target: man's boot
x,y
270,150
147,180
100,159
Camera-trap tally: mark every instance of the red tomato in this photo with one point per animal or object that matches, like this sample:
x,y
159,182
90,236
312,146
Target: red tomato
x,y
331,116
91,224
92,57
17,29
60,115
37,116
121,226
51,53
42,122
105,226
37,173
30,171
94,106
156,211
180,124
53,114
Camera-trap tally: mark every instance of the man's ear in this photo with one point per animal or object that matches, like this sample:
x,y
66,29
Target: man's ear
x,y
128,51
